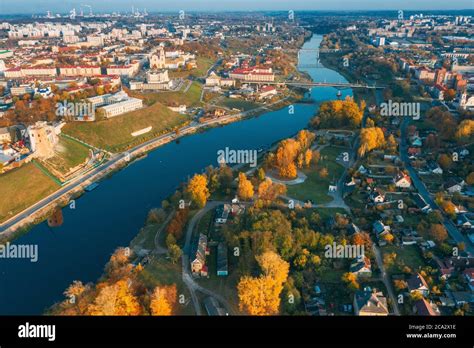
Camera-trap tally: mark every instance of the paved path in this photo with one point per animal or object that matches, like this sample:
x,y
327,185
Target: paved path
x,y
159,250
422,190
188,279
385,278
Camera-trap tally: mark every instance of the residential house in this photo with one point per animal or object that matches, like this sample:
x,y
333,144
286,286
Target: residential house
x,y
377,196
454,185
465,221
434,167
222,260
462,297
421,203
361,268
425,308
222,213
198,264
416,283
380,229
370,303
469,276
402,180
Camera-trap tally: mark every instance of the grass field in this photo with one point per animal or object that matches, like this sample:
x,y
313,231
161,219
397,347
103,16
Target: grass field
x,y
203,65
408,255
316,187
115,134
69,154
190,98
22,187
242,105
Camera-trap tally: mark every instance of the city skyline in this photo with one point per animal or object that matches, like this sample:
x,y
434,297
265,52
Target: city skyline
x,y
35,7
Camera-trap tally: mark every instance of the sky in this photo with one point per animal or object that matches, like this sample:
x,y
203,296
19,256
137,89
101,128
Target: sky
x,y
41,6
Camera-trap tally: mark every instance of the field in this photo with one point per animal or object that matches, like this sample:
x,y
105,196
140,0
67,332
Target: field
x,y
203,65
190,98
22,187
242,105
115,134
409,255
69,154
316,187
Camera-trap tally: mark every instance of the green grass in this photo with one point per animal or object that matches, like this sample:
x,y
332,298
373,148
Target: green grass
x,y
115,134
69,154
190,98
22,187
409,255
316,187
203,65
146,237
242,105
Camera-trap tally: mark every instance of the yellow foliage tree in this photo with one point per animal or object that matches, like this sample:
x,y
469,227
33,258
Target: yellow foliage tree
x,y
163,300
370,139
198,190
261,295
465,130
285,158
116,299
245,190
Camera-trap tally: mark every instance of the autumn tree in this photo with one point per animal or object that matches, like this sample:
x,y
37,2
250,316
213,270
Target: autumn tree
x,y
308,156
116,299
269,191
245,189
370,139
438,233
198,190
339,114
163,300
350,279
286,156
261,295
445,161
465,130
470,178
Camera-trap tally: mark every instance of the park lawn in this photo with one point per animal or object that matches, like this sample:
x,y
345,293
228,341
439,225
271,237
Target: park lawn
x,y
408,254
315,187
115,134
161,272
191,98
69,154
242,105
22,187
145,239
203,65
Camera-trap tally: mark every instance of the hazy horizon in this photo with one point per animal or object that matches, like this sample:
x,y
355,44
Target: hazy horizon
x,y
41,6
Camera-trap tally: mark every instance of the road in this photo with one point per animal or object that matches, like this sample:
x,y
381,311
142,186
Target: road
x,y
118,158
385,278
188,279
423,191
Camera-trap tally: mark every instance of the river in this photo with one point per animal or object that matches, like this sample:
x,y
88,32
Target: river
x,y
112,214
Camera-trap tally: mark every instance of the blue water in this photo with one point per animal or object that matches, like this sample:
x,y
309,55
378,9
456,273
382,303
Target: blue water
x,y
112,214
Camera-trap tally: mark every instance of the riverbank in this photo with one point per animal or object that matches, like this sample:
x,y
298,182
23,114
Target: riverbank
x,y
330,61
40,210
